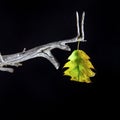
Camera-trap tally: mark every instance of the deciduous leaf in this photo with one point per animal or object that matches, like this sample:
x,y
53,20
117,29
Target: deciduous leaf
x,y
79,67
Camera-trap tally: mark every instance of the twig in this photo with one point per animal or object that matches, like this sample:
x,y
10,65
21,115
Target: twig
x,y
41,51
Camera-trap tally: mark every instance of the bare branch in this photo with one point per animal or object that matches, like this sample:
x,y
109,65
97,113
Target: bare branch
x,y
40,51
82,25
78,29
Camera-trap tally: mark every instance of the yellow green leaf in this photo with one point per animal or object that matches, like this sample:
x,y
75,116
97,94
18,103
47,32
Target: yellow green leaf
x,y
79,67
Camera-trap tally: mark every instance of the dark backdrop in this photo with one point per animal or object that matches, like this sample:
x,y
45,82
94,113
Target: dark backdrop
x,y
37,86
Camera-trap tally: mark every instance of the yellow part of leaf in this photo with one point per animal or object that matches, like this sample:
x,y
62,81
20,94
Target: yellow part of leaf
x,y
79,67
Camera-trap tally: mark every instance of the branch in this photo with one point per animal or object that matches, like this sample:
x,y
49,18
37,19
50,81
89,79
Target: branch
x,y
41,51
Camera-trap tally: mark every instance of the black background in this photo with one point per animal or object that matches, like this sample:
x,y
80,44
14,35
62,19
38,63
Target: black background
x,y
37,86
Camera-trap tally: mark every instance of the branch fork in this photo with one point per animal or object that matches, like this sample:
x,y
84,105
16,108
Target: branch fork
x,y
41,51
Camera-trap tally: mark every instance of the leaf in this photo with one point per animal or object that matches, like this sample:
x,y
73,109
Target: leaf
x,y
79,67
